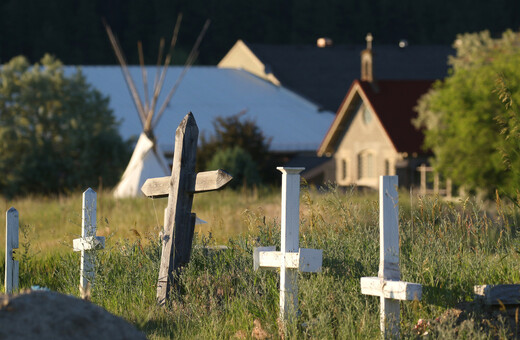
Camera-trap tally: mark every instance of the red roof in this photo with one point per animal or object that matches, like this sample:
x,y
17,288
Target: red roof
x,y
394,104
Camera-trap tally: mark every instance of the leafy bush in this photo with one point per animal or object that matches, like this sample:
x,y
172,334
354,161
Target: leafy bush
x,y
233,131
57,133
239,164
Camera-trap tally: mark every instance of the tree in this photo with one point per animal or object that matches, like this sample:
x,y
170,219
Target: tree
x,y
239,163
56,132
509,122
233,132
461,114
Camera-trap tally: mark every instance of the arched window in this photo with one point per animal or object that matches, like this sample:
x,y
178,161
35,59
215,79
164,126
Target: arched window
x,y
360,166
366,168
343,169
367,115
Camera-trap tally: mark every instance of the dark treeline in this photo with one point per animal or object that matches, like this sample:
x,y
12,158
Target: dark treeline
x,y
73,30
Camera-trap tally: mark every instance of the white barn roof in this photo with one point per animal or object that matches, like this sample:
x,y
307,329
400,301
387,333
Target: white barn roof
x,y
293,123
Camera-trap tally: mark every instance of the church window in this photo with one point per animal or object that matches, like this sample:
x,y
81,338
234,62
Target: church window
x,y
366,168
343,169
387,167
367,115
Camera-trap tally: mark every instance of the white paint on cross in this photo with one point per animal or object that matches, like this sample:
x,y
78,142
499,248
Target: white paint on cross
x,y
291,257
88,241
11,243
387,284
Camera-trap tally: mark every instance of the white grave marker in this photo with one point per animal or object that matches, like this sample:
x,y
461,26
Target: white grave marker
x,y
11,243
387,285
88,241
291,257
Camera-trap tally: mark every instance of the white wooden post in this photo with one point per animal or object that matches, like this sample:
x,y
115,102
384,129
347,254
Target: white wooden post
x,y
291,257
11,243
387,284
422,169
88,241
436,181
448,188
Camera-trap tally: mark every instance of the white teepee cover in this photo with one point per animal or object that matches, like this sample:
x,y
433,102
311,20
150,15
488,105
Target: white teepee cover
x,y
145,163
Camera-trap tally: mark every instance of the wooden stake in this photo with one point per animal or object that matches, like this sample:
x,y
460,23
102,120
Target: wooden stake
x,y
11,243
178,228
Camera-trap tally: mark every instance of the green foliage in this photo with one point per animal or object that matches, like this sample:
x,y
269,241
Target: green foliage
x,y
231,132
56,132
237,162
460,113
509,121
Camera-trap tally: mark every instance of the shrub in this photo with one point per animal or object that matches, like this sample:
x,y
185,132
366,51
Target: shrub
x,y
234,131
238,163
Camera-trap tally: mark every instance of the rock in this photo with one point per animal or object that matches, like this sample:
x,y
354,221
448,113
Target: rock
x,y
50,315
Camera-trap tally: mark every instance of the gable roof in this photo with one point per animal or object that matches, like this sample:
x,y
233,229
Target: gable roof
x,y
324,74
393,103
293,123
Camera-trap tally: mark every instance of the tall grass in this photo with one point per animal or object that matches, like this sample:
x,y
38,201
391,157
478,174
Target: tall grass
x,y
447,247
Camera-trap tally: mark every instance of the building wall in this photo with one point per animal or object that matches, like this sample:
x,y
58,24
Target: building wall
x,y
241,57
365,152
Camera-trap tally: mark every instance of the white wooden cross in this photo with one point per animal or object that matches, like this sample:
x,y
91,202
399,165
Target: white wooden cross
x,y
387,284
88,241
291,257
11,243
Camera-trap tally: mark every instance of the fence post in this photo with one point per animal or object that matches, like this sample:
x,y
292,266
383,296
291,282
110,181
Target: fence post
x,y
11,243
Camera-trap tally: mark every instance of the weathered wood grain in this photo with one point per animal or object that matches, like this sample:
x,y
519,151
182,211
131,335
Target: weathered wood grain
x,y
176,240
204,182
396,290
306,260
88,243
11,243
507,294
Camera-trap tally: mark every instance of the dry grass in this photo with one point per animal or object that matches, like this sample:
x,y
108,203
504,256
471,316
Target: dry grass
x,y
52,223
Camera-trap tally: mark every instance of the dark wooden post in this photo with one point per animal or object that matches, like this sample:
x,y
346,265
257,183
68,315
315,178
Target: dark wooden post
x,y
180,199
179,188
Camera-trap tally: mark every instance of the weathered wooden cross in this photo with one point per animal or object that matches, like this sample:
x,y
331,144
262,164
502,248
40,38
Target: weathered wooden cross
x,y
88,241
291,257
11,243
179,188
387,284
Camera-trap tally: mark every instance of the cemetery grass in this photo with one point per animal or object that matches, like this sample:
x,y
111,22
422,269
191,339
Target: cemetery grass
x,y
448,247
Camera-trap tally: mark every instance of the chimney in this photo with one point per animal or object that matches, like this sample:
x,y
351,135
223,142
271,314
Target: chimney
x,y
367,59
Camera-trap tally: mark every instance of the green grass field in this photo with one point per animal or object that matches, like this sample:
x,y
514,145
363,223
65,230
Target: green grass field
x,y
446,247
